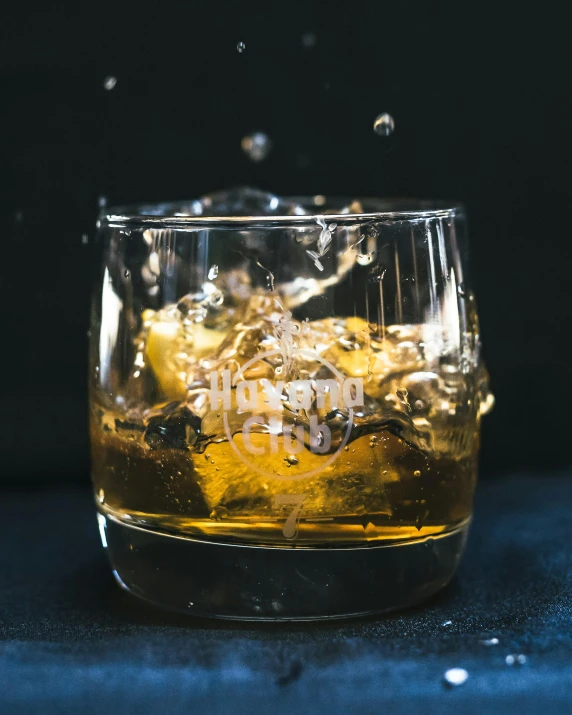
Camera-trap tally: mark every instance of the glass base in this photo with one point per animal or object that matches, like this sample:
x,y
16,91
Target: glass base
x,y
234,581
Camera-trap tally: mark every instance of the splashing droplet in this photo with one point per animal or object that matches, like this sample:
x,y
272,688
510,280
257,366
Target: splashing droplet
x,y
455,676
240,46
256,146
308,40
515,659
109,83
213,272
384,125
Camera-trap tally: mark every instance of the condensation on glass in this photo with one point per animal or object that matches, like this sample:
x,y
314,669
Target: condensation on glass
x,y
285,403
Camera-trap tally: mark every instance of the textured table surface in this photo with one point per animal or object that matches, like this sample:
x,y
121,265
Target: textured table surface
x,y
71,641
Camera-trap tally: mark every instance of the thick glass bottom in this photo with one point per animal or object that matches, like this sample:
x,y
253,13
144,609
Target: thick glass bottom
x,y
232,581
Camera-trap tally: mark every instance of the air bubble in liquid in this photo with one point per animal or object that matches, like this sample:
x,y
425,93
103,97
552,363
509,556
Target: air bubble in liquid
x,y
365,259
384,125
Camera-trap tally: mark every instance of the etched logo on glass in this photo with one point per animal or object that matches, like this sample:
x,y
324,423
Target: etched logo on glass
x,y
292,412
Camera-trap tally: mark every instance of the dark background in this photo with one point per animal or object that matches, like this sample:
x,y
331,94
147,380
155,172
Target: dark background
x,y
481,99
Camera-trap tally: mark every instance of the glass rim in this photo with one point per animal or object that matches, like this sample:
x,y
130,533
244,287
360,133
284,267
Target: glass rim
x,y
169,214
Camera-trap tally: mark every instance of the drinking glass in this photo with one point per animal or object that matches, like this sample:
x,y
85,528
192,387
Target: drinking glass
x,y
285,403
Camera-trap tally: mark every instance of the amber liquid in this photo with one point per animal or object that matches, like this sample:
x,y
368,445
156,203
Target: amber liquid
x,y
402,468
379,489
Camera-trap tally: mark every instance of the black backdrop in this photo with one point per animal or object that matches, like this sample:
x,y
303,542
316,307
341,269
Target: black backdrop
x,y
482,105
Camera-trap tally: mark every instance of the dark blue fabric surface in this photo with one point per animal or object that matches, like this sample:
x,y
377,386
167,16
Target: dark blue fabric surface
x,y
71,641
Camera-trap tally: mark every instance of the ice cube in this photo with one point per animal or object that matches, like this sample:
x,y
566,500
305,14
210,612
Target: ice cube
x,y
175,427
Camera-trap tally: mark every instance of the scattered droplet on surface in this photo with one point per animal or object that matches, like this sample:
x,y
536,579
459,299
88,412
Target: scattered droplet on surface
x,y
455,676
308,39
384,125
240,46
213,272
109,83
256,146
291,459
515,659
490,641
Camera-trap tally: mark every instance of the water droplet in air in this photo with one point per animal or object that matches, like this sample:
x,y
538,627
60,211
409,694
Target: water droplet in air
x,y
365,259
213,272
308,39
109,83
455,676
101,496
416,473
240,46
102,202
18,216
126,273
461,290
291,460
490,641
515,659
384,125
447,623
256,146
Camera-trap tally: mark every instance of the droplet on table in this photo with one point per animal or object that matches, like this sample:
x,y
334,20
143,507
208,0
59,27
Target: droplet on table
x,y
240,46
109,83
490,641
256,146
384,125
455,676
